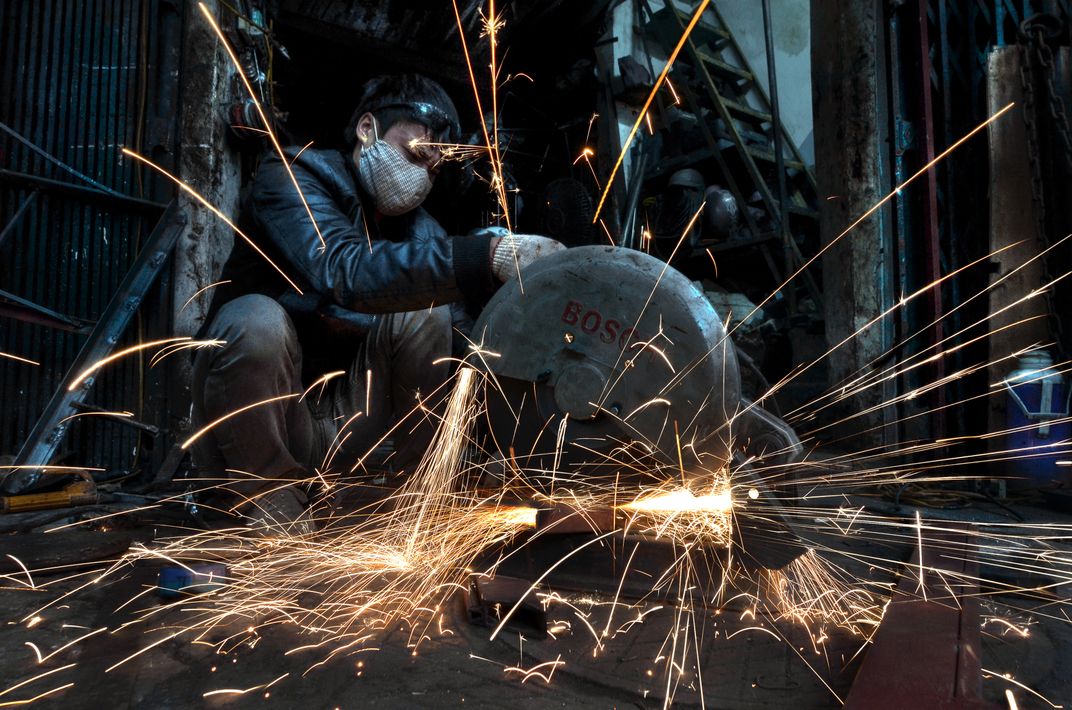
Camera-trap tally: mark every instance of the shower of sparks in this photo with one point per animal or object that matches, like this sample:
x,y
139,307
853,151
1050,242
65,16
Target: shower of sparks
x,y
401,560
458,152
492,24
365,572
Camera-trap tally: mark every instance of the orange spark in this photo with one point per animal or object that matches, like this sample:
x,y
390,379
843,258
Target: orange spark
x,y
19,359
669,85
647,104
212,208
121,415
585,154
225,417
122,353
202,290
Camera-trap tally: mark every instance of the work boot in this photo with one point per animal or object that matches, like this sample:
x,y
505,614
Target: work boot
x,y
283,511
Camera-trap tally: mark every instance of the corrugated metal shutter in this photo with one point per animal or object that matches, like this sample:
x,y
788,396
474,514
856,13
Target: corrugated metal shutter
x,y
75,77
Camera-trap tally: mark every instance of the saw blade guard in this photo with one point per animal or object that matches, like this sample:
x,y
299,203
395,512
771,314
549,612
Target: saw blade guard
x,y
597,346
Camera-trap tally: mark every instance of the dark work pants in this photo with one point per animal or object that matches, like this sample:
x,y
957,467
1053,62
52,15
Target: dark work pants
x,y
403,358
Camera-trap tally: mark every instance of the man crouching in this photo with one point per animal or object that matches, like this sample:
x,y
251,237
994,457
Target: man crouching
x,y
380,293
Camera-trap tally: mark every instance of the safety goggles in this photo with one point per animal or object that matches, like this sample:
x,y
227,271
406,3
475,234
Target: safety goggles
x,y
439,122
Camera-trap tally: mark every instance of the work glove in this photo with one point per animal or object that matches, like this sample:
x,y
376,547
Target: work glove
x,y
513,252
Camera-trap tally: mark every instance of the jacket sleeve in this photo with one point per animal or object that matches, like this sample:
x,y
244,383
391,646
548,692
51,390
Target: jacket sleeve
x,y
382,278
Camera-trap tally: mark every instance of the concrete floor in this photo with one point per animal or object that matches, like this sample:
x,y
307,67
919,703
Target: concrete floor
x,y
459,665
456,666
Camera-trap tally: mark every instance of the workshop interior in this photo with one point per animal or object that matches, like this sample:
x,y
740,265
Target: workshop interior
x,y
764,402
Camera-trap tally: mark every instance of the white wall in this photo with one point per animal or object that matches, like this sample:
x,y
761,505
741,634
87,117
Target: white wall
x,y
791,20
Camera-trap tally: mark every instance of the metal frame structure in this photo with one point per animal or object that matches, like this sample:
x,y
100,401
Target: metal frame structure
x,y
712,50
79,81
936,88
45,438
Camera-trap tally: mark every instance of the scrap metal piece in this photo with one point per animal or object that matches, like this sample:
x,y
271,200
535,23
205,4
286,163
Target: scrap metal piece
x,y
80,492
491,597
12,306
928,650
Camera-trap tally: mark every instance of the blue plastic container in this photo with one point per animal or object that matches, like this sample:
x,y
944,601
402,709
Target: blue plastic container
x,y
1037,396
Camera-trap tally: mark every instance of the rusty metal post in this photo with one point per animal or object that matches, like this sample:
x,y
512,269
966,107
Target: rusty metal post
x,y
850,124
932,268
1012,222
210,166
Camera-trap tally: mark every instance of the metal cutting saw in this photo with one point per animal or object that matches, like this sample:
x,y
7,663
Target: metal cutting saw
x,y
607,366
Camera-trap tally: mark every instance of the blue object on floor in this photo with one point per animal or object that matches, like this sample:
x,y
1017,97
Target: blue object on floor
x,y
175,581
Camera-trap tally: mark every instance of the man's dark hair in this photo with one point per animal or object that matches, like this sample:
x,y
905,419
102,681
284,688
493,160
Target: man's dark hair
x,y
405,97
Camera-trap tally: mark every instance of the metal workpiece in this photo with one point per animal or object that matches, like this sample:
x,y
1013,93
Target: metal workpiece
x,y
82,491
761,534
488,598
566,520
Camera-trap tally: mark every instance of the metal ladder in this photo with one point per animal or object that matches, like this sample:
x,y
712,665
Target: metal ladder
x,y
722,81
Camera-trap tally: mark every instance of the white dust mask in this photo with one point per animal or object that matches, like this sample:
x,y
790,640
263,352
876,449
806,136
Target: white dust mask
x,y
396,184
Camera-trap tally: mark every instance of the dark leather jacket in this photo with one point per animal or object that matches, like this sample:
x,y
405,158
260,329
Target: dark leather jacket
x,y
366,264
